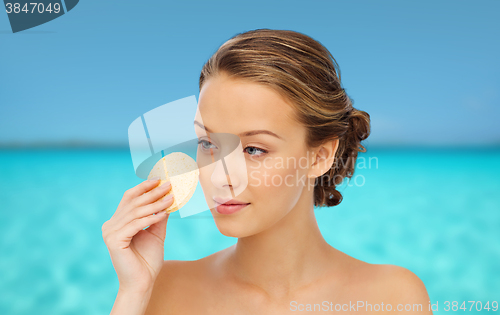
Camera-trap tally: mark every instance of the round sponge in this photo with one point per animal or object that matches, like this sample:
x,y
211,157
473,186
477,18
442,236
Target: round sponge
x,y
182,172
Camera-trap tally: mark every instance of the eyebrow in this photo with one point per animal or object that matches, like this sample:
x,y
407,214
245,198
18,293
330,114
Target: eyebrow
x,y
246,133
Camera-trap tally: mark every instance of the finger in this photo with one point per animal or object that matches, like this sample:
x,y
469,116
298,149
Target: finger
x,y
126,234
129,197
143,211
159,228
140,189
153,195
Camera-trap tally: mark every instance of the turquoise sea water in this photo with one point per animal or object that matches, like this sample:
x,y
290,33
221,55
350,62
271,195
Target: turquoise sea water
x,y
435,212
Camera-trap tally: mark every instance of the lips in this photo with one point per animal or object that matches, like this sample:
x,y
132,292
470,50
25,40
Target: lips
x,y
225,201
229,206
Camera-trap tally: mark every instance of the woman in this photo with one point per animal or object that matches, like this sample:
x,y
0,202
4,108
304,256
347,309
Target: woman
x,y
286,84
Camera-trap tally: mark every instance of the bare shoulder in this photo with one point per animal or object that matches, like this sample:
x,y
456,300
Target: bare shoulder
x,y
390,280
177,283
400,281
398,285
167,287
382,283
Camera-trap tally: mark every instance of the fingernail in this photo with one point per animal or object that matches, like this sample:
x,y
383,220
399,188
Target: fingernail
x,y
154,178
165,185
168,198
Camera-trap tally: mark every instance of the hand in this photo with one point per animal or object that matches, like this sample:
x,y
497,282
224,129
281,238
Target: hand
x,y
137,254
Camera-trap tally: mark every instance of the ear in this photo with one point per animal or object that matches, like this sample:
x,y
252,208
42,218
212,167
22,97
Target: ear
x,y
323,158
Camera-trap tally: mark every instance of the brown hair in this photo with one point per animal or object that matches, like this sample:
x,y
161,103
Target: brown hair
x,y
303,71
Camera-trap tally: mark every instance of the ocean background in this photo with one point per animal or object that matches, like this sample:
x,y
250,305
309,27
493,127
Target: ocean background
x,y
427,72
435,211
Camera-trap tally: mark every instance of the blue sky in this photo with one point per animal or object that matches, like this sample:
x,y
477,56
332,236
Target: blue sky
x,y
426,71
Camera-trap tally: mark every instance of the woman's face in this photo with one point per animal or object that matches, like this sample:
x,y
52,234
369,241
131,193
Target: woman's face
x,y
276,166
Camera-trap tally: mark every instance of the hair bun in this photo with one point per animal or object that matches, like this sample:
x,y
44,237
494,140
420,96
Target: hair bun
x,y
345,161
359,128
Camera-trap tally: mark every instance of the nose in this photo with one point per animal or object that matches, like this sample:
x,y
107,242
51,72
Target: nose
x,y
230,173
221,176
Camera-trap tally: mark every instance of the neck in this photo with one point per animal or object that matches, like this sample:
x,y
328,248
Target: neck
x,y
285,257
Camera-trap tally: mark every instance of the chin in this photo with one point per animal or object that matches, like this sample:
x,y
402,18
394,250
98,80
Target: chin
x,y
232,226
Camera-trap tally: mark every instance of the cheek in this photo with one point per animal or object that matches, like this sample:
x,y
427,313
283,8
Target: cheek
x,y
207,186
276,182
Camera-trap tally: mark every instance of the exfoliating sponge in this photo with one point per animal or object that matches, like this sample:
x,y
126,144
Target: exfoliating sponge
x,y
182,172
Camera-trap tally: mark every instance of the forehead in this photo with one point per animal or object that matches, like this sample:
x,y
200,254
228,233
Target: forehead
x,y
237,105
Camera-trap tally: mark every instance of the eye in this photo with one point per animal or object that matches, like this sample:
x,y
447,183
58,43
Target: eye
x,y
204,144
254,149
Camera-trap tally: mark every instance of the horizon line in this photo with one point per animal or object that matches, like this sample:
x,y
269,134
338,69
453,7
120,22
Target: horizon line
x,y
80,144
